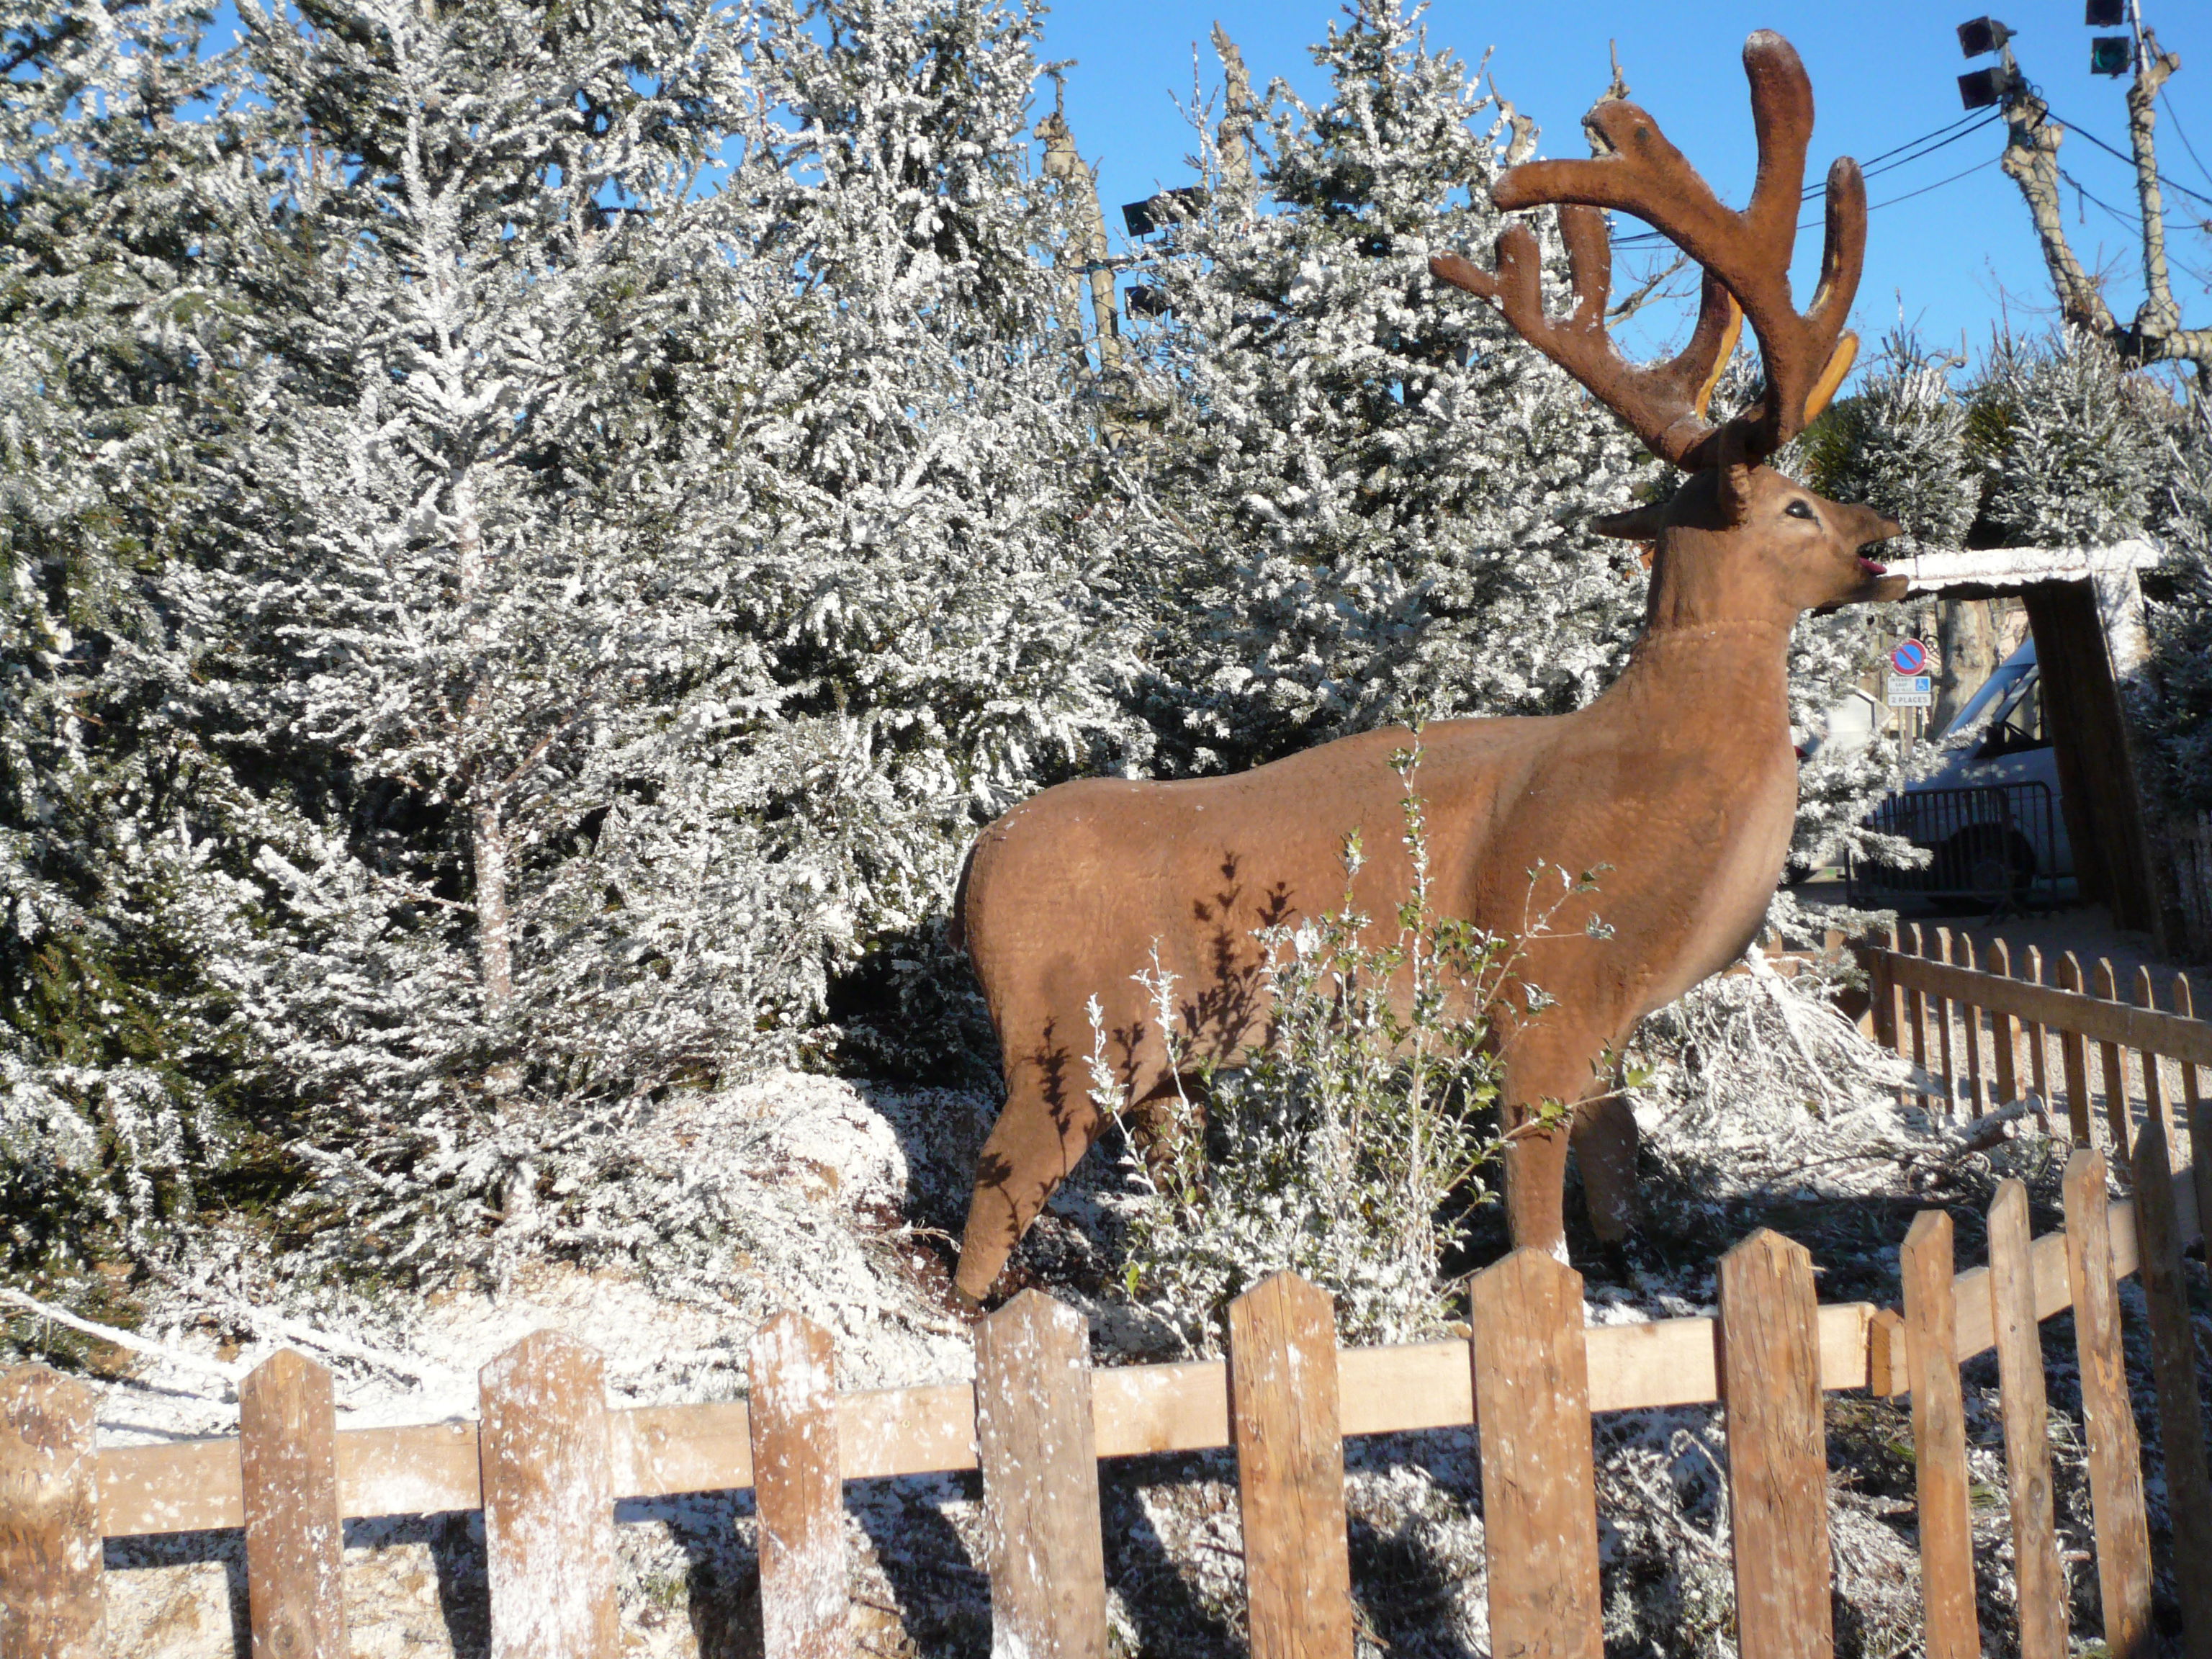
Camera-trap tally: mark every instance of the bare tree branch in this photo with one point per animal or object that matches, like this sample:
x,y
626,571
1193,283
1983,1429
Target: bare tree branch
x,y
2031,160
1646,292
2159,315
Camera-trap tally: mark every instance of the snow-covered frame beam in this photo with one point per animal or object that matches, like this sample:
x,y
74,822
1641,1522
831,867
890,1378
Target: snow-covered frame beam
x,y
2114,573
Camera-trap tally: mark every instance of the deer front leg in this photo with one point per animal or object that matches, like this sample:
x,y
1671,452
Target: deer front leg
x,y
1551,1062
1535,1180
1047,1125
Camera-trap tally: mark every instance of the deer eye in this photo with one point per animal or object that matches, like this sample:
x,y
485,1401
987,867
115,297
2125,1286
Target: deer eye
x,y
1799,510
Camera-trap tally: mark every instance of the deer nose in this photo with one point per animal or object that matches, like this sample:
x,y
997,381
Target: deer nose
x,y
1877,527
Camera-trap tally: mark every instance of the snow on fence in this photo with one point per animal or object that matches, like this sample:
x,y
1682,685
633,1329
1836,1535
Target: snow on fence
x,y
549,1460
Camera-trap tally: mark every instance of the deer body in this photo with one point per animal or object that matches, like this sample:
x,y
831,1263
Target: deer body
x,y
1679,784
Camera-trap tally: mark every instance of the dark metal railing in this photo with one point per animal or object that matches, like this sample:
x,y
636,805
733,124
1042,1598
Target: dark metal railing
x,y
1993,844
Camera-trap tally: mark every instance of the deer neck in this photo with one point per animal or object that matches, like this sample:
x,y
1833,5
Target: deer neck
x,y
1722,684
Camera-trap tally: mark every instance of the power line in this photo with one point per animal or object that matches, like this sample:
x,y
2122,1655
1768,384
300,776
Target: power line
x,y
1976,124
1989,161
2174,116
2132,222
1644,237
1941,136
1971,119
2172,184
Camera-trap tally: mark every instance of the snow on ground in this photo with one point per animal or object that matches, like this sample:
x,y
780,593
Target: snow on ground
x,y
1762,1109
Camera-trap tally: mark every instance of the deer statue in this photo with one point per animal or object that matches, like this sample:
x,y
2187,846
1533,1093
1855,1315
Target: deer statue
x,y
1680,782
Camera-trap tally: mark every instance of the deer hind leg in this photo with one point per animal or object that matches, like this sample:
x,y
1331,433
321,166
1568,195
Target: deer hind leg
x,y
1047,1125
1605,1140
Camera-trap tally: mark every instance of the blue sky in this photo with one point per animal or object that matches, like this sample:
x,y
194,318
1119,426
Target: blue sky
x,y
1955,259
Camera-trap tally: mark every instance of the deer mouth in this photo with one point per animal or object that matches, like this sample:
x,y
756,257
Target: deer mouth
x,y
1872,566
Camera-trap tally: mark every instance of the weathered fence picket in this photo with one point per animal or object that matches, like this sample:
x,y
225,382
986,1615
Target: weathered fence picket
x,y
1539,1478
549,1503
1939,1441
1290,1470
2192,1096
51,1549
1034,1431
2173,1371
2036,1566
1777,1466
2037,1035
2155,1100
1978,1094
1945,1009
2116,1493
2004,1029
2074,1055
799,1490
2106,988
1916,1006
288,1434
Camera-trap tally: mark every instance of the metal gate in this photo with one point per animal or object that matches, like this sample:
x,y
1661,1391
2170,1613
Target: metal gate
x,y
1990,844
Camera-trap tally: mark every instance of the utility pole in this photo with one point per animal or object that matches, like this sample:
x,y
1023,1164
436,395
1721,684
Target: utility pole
x,y
1063,162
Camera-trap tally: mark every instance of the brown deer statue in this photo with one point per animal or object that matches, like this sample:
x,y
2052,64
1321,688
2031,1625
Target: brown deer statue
x,y
1680,782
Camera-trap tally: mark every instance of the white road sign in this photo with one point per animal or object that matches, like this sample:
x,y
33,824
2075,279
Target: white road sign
x,y
1912,691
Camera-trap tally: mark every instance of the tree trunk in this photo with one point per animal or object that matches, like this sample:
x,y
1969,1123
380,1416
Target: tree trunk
x,y
1062,161
494,931
486,827
1966,654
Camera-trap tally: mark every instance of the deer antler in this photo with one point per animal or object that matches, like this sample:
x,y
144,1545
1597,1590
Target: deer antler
x,y
1745,257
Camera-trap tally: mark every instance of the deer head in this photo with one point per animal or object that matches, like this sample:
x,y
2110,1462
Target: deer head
x,y
1739,541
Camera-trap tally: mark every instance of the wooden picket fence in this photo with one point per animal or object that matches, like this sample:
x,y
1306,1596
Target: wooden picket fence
x,y
1983,1032
548,1459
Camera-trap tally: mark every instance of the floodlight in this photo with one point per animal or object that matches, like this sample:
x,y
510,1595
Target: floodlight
x,y
2105,14
1984,87
2111,54
1146,302
1159,212
1983,34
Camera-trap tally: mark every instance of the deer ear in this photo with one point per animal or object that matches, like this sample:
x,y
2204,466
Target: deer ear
x,y
1639,524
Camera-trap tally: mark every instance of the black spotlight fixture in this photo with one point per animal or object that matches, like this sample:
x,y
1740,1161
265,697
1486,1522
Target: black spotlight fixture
x,y
2111,54
1984,87
1159,212
1983,34
2105,14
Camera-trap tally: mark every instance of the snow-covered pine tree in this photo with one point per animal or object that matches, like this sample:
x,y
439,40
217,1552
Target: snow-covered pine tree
x,y
687,572
2072,442
119,1082
422,629
2178,715
932,576
1372,491
647,526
